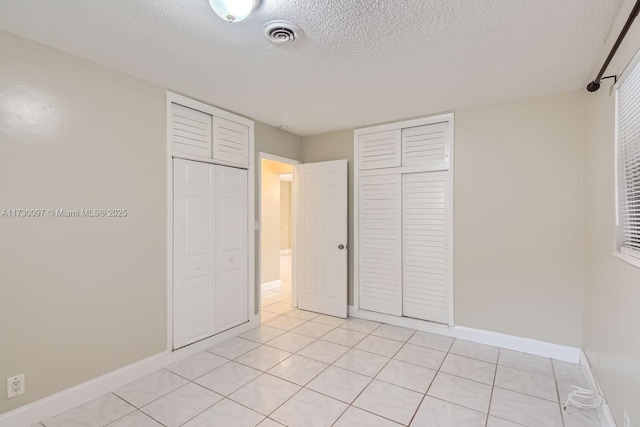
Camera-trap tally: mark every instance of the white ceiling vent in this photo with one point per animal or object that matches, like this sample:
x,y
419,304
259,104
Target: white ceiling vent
x,y
280,32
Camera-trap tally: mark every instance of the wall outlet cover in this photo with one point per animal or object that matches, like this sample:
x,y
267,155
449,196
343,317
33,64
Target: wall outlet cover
x,y
15,386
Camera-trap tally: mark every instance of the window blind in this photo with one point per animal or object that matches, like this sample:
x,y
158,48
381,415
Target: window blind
x,y
628,103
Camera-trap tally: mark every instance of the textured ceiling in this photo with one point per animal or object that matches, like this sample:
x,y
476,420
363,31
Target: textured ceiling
x,y
360,62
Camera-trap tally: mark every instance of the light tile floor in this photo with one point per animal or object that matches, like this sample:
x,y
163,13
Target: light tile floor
x,y
301,369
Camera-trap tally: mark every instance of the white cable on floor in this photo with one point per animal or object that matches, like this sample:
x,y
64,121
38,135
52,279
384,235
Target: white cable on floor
x,y
583,398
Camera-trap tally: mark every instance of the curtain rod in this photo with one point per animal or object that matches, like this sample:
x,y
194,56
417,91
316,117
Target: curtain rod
x,y
595,84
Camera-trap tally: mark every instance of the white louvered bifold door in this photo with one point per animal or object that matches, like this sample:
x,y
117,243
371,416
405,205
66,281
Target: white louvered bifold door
x,y
190,131
425,288
426,145
379,150
380,243
230,142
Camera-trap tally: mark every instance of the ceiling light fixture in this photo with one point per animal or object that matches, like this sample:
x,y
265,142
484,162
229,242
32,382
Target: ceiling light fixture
x,y
233,10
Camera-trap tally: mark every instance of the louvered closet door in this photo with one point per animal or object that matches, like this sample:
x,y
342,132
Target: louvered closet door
x,y
379,150
426,145
190,131
380,245
425,290
231,247
230,142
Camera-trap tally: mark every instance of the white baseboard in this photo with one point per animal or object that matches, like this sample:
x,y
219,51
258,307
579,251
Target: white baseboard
x,y
604,411
275,284
285,251
525,345
42,409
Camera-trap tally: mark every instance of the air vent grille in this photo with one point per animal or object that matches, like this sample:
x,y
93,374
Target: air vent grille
x,y
280,32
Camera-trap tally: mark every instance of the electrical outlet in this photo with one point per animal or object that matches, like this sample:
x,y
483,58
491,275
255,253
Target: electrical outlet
x,y
15,386
627,421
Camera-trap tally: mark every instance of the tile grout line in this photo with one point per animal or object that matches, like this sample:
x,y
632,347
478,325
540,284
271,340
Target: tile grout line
x,y
203,411
371,380
304,387
194,383
334,327
555,381
392,358
139,408
329,365
493,387
283,379
424,396
404,342
189,381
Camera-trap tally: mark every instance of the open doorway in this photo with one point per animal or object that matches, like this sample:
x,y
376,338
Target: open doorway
x,y
276,235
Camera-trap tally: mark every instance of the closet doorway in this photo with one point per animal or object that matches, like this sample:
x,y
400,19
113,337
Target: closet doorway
x,y
276,232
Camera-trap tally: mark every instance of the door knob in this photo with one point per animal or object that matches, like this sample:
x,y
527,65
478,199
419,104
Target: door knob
x,y
341,246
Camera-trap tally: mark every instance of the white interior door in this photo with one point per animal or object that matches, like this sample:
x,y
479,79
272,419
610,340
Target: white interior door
x,y
231,248
322,237
194,251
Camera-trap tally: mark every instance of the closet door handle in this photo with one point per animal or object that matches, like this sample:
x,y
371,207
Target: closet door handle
x,y
232,260
341,246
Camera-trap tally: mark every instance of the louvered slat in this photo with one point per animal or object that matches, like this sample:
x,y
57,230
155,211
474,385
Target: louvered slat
x,y
380,252
379,150
190,131
629,160
230,141
424,270
425,145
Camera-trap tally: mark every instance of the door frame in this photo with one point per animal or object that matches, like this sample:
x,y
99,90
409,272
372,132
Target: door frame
x,y
294,217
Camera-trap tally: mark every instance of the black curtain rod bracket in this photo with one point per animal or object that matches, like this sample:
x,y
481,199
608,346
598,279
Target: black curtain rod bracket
x,y
595,84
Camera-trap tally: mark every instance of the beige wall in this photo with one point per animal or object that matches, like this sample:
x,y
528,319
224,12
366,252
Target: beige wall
x,y
77,135
518,229
270,220
611,286
285,214
335,146
269,224
518,218
79,297
84,297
